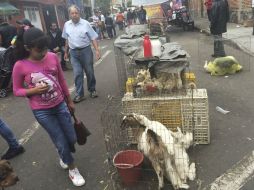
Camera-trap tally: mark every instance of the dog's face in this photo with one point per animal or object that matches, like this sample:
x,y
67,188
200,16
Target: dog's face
x,y
130,120
7,175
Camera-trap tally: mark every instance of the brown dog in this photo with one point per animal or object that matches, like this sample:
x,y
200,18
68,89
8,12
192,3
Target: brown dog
x,y
7,175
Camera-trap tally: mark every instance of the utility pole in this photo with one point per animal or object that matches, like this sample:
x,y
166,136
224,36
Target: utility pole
x,y
92,5
252,5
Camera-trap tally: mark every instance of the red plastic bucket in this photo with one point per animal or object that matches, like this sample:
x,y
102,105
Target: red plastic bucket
x,y
128,164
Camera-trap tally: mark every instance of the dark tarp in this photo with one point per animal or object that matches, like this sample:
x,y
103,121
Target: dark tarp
x,y
8,9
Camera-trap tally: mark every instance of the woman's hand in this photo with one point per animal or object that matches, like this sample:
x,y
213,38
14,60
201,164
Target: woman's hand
x,y
71,107
66,56
37,90
97,54
70,104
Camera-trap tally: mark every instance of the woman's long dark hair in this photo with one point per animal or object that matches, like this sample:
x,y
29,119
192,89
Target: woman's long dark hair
x,y
19,50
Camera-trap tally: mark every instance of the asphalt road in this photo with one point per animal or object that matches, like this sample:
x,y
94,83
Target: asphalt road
x,y
232,134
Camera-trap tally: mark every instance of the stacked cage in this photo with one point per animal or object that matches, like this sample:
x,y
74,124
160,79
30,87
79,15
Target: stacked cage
x,y
158,117
189,112
164,160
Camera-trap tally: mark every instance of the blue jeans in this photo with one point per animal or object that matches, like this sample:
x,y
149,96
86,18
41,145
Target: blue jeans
x,y
58,124
82,60
8,135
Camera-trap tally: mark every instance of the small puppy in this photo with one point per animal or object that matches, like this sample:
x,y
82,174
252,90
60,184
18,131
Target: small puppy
x,y
7,175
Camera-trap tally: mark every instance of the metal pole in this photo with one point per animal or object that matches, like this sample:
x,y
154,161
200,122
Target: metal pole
x,y
92,5
252,5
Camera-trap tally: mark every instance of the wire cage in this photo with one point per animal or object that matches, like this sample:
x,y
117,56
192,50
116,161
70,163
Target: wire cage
x,y
153,76
121,61
165,146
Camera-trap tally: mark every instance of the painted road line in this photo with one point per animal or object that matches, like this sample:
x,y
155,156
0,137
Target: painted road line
x,y
103,47
236,177
35,126
28,133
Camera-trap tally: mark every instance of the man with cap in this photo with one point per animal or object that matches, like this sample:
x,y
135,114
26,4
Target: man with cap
x,y
7,33
25,23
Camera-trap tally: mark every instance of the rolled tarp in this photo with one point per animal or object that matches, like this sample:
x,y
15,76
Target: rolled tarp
x,y
147,2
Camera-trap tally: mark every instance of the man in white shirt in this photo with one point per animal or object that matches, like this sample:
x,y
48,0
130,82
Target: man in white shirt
x,y
79,35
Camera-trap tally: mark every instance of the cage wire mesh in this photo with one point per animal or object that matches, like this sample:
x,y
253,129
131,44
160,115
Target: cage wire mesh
x,y
161,123
161,143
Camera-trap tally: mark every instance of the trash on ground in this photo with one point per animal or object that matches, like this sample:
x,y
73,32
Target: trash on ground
x,y
221,110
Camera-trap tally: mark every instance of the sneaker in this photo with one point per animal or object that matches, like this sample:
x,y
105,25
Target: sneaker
x,y
11,153
76,178
62,164
78,99
93,94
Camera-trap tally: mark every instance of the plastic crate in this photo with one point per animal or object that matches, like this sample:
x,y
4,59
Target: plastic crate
x,y
190,112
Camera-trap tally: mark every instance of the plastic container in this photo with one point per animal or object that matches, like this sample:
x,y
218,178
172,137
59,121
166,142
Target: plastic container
x,y
156,47
128,164
147,47
129,85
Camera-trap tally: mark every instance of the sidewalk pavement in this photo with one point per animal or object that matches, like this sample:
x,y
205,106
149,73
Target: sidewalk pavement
x,y
236,34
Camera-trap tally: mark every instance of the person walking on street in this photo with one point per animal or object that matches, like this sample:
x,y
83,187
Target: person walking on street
x,y
208,4
102,24
134,16
142,14
7,33
113,27
14,147
96,22
79,35
38,76
129,17
109,26
57,43
120,20
218,26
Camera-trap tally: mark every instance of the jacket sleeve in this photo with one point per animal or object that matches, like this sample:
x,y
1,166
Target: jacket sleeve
x,y
18,80
227,10
214,13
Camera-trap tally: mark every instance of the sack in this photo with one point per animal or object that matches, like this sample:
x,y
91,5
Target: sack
x,y
81,131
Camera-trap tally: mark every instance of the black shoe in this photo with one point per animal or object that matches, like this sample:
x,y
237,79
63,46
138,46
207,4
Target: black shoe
x,y
11,153
93,94
78,99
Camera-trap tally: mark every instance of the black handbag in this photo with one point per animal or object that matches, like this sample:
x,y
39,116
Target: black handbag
x,y
81,130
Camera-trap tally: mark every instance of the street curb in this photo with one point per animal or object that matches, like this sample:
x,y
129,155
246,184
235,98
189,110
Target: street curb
x,y
229,42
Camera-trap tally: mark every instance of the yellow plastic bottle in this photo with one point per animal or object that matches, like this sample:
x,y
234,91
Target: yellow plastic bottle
x,y
129,84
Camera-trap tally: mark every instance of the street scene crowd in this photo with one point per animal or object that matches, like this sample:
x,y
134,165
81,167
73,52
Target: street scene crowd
x,y
33,65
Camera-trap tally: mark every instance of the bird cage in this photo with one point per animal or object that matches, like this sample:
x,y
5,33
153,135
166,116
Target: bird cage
x,y
117,139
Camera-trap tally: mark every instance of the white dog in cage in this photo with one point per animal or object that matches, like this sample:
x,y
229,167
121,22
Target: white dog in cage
x,y
157,143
